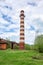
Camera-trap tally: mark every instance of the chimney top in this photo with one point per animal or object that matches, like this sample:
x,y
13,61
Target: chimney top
x,y
22,10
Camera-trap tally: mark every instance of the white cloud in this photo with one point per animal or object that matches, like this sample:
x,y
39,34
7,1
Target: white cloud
x,y
29,37
13,26
32,13
2,21
8,34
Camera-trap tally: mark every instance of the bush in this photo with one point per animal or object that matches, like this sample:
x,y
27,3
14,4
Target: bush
x,y
8,45
27,47
16,46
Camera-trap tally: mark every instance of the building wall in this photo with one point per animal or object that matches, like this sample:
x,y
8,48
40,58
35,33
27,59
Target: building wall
x,y
3,46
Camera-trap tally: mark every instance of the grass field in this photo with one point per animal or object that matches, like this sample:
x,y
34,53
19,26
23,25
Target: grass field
x,y
17,57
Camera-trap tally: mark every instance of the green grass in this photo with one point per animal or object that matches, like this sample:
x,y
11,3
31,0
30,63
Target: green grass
x,y
19,57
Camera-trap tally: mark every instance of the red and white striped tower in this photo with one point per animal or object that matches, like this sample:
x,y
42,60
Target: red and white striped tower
x,y
22,38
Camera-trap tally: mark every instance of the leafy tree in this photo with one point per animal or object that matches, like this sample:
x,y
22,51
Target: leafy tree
x,y
39,43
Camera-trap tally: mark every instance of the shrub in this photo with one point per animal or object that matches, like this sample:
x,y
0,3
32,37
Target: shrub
x,y
27,47
16,46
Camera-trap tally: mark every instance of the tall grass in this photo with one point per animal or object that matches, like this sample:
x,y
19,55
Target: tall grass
x,y
19,57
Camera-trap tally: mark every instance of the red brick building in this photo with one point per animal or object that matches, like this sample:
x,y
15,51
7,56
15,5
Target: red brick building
x,y
3,44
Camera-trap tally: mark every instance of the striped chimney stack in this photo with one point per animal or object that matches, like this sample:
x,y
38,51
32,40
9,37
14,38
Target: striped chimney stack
x,y
22,39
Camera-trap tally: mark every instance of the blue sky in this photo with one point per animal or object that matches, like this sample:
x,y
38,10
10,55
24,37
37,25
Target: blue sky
x,y
10,20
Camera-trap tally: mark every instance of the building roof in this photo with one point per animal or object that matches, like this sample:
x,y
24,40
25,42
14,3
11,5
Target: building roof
x,y
3,41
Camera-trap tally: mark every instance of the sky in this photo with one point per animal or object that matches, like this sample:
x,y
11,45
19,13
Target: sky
x,y
10,20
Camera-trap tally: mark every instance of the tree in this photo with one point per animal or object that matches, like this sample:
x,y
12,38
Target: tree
x,y
39,43
8,42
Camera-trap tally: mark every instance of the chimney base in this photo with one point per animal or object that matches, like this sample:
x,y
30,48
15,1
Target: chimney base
x,y
21,45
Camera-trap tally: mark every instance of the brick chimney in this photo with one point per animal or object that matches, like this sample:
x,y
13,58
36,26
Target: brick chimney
x,y
22,38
